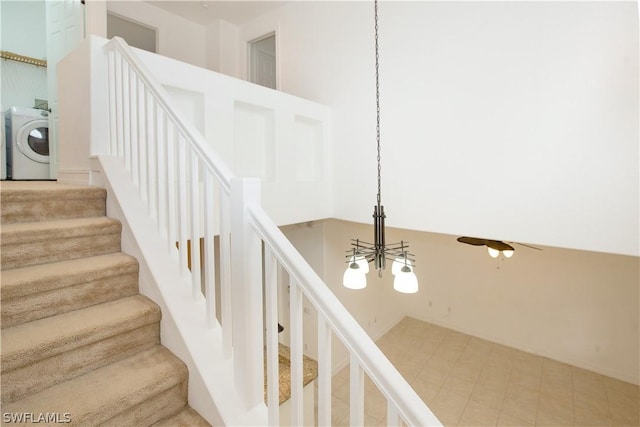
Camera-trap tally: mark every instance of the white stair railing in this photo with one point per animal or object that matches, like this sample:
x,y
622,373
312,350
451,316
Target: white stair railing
x,y
193,196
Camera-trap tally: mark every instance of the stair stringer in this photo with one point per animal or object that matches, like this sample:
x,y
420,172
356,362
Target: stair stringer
x,y
183,325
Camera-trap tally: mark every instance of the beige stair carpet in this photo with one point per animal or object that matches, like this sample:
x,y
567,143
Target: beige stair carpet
x,y
79,343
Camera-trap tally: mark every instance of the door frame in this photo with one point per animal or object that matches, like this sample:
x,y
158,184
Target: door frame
x,y
251,59
255,34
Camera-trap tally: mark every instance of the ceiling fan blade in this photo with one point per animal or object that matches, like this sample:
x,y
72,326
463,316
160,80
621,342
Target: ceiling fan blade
x,y
528,246
499,246
472,241
494,244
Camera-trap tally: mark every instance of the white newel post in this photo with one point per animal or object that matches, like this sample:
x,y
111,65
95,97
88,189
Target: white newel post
x,y
246,293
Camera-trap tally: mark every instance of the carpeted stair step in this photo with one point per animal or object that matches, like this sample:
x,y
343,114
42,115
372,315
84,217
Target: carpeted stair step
x,y
185,418
44,352
25,244
136,391
40,291
26,201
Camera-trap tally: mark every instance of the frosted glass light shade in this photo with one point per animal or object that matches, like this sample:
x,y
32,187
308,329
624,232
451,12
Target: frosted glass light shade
x,y
398,263
362,263
493,252
508,253
406,282
354,278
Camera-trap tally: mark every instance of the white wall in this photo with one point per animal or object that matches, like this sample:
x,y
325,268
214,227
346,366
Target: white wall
x,y
574,306
514,121
24,28
178,38
222,48
24,33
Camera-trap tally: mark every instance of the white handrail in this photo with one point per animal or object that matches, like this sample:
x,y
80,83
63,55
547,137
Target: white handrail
x,y
211,159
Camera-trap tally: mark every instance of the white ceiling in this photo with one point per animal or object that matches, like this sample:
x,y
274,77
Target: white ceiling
x,y
205,12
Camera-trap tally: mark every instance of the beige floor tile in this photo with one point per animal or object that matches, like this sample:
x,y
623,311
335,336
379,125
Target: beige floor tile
x,y
488,395
458,386
594,404
341,391
467,369
434,374
554,412
442,363
520,402
624,413
476,414
589,417
506,420
495,376
624,399
375,406
526,379
426,390
339,412
561,394
586,382
341,377
499,361
408,370
370,421
449,406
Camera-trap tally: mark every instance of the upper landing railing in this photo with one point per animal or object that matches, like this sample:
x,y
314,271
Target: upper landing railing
x,y
193,196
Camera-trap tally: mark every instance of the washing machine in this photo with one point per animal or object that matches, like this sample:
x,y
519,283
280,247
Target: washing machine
x,y
27,136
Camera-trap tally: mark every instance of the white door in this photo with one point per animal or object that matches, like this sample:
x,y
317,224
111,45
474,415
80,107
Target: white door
x,y
65,30
262,58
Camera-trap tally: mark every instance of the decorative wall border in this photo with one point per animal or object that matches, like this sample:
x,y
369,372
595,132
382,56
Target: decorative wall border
x,y
21,58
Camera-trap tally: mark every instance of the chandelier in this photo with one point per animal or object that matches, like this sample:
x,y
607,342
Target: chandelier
x,y
362,253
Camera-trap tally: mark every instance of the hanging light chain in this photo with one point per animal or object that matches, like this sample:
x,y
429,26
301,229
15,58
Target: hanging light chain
x,y
377,97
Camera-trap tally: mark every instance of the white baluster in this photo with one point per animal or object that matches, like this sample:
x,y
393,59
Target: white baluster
x,y
111,73
119,106
172,190
126,116
225,272
356,393
295,337
194,196
324,371
143,129
393,419
161,166
271,307
209,248
152,154
133,123
183,218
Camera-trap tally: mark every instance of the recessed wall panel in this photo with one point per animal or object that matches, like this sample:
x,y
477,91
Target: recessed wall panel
x,y
308,147
254,141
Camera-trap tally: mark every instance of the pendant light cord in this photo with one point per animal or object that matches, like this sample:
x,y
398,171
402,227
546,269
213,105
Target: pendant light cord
x,y
377,98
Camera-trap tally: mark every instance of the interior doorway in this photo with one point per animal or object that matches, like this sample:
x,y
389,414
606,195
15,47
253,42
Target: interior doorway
x,y
134,33
262,61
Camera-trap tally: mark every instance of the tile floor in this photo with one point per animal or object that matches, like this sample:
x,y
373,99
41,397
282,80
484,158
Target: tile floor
x,y
467,381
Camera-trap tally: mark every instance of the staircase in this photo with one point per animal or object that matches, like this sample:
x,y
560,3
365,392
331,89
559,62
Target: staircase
x,y
79,343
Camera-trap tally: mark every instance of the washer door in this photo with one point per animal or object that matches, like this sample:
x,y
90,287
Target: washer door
x,y
32,139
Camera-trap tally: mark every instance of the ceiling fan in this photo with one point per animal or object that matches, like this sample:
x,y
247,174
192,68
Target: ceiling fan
x,y
495,247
